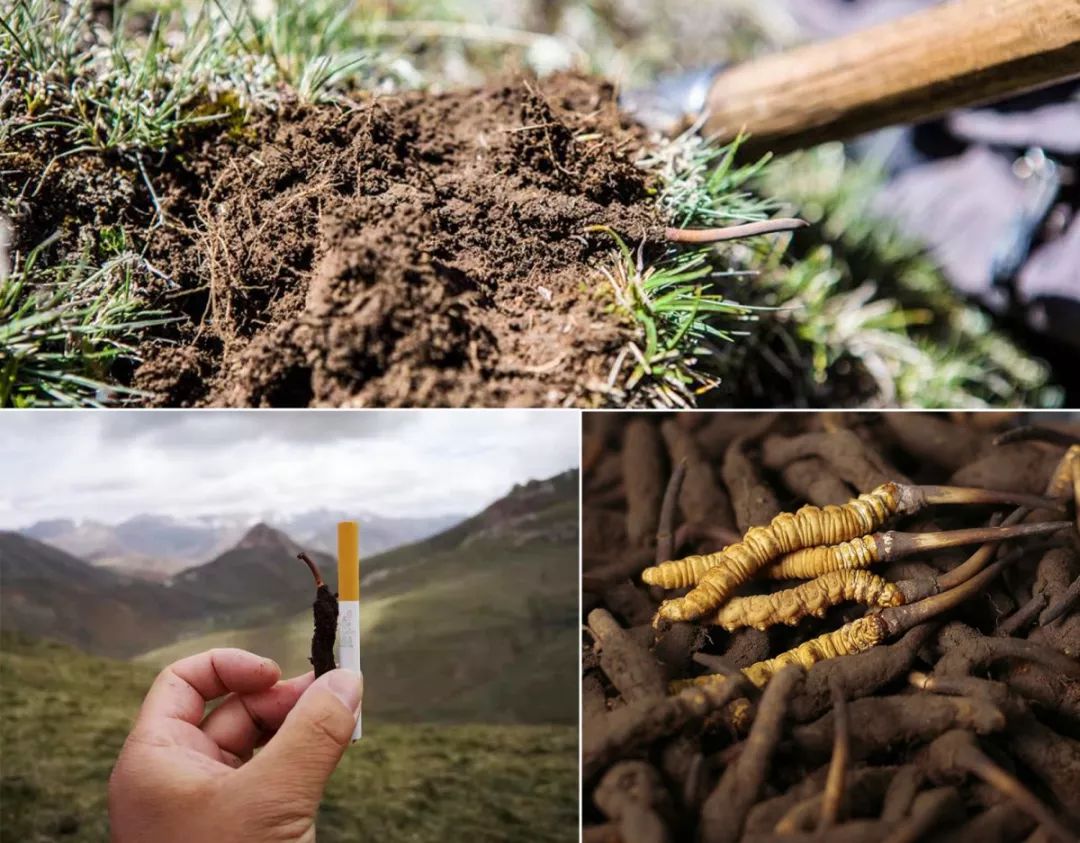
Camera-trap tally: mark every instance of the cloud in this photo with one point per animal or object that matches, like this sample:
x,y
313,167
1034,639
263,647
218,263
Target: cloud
x,y
112,465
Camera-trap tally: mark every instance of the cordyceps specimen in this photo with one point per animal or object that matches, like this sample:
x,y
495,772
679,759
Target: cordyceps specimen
x,y
863,633
717,575
325,612
807,731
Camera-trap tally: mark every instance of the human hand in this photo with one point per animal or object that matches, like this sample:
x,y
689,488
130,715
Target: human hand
x,y
183,777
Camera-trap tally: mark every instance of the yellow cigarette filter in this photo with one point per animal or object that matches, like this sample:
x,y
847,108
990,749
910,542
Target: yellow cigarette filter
x,y
787,532
810,598
348,560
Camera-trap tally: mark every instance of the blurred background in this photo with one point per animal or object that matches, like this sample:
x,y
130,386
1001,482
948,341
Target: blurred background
x,y
132,540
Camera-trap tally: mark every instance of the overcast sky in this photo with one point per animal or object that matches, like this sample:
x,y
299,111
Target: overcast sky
x,y
110,465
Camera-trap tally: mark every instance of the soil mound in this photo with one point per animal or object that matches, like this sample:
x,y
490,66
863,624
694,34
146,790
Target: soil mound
x,y
409,250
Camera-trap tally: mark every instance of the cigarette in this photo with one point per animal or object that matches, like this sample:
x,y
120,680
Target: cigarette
x,y
348,636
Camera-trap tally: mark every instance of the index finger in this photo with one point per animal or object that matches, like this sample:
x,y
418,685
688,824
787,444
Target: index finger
x,y
182,690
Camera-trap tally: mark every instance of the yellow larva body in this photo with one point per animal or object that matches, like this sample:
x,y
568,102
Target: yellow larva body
x,y
810,598
812,562
858,636
787,532
680,573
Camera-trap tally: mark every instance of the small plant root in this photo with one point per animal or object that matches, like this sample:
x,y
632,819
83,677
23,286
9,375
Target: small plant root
x,y
325,613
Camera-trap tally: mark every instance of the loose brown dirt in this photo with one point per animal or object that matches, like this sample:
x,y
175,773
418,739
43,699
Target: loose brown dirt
x,y
409,250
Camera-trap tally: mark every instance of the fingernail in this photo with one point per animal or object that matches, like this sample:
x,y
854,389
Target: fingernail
x,y
345,685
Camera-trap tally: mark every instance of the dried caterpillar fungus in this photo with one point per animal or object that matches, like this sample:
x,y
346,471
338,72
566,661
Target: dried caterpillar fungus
x,y
811,598
810,562
856,637
787,532
681,573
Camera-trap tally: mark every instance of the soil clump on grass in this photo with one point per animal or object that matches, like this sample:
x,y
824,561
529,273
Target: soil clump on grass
x,y
416,249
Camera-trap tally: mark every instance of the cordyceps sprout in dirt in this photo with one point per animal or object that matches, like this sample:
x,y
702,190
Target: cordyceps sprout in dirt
x,y
935,695
253,210
325,614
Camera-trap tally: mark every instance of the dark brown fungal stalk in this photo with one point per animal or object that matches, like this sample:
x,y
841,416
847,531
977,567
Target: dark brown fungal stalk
x,y
632,796
964,655
732,232
833,798
701,498
1031,432
325,612
931,809
859,675
845,453
752,499
890,546
717,575
1062,604
901,793
665,528
1023,617
812,480
642,469
642,723
725,809
878,723
864,786
957,753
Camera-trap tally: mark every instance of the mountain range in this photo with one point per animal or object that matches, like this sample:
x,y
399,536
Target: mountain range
x,y
475,623
156,547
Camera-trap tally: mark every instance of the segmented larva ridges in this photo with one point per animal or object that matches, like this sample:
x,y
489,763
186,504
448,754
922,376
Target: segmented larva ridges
x,y
680,573
855,637
814,561
787,532
811,598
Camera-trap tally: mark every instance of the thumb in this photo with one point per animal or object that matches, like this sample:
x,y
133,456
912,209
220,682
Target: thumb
x,y
295,764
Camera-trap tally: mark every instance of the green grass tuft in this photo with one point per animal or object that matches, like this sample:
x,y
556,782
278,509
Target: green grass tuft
x,y
63,326
676,328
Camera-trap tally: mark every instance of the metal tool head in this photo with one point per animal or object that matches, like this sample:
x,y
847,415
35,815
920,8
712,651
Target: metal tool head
x,y
673,102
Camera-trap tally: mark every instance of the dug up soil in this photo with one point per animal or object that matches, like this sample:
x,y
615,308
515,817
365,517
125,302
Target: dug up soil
x,y
403,250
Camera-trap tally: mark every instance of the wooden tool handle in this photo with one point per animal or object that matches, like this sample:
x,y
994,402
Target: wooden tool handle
x,y
959,54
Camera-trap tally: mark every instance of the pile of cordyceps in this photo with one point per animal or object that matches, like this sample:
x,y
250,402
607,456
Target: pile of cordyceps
x,y
768,658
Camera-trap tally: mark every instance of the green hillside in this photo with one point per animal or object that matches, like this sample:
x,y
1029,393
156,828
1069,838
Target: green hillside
x,y
65,716
479,633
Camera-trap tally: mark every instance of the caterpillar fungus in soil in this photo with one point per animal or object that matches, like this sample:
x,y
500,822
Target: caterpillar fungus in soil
x,y
808,527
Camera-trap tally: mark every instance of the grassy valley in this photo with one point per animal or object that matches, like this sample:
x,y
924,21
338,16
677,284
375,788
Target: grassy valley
x,y
469,647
